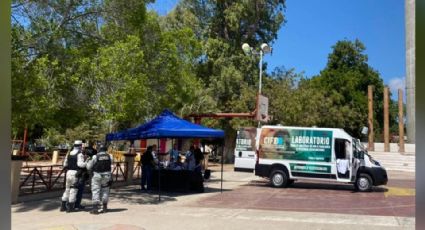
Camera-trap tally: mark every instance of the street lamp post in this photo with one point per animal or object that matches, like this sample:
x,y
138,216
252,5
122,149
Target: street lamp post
x,y
264,49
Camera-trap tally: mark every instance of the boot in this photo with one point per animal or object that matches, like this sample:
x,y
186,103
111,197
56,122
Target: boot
x,y
63,206
104,207
70,207
79,207
95,209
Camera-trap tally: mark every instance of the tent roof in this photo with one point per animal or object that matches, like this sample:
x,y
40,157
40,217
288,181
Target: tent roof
x,y
166,125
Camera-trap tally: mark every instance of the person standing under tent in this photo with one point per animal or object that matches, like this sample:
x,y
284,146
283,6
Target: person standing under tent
x,y
155,154
148,164
199,156
174,154
190,158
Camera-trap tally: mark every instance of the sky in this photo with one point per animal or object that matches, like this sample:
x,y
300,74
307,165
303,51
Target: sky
x,y
312,27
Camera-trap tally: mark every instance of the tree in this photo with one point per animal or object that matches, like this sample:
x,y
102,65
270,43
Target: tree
x,y
222,27
48,38
81,63
345,80
294,101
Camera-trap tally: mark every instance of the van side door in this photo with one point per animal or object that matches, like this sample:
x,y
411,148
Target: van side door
x,y
343,159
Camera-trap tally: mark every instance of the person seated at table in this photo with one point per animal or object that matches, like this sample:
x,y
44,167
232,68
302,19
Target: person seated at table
x,y
177,165
174,153
190,158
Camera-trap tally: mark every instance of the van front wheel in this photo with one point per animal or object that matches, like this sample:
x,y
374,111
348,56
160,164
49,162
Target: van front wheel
x,y
279,178
363,183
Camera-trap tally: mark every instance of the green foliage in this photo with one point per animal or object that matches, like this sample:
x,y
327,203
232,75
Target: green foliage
x,y
345,80
81,132
83,68
52,138
223,26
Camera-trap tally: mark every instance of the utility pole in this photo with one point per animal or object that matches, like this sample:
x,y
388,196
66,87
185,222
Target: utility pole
x,y
371,144
400,121
410,69
386,122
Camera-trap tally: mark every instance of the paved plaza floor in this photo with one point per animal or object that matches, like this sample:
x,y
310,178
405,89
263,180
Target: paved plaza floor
x,y
247,202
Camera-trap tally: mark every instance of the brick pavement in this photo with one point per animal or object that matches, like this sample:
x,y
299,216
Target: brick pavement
x,y
236,208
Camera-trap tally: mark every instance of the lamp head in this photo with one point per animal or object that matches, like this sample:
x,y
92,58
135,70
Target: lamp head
x,y
266,48
246,48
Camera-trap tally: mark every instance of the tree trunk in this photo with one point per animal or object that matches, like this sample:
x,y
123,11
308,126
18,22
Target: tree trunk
x,y
229,145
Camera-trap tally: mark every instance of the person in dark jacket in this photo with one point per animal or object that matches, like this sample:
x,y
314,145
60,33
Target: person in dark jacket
x,y
147,168
199,156
88,152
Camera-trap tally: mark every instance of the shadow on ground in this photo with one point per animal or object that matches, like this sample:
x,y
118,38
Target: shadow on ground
x,y
127,195
316,185
134,195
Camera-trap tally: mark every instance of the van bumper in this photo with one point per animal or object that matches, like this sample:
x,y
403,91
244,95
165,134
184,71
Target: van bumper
x,y
379,176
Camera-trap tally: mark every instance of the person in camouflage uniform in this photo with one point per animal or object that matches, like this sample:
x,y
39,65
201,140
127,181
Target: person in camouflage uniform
x,y
101,165
74,163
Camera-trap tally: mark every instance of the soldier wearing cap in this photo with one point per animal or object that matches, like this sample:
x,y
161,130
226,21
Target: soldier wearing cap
x,y
101,165
74,163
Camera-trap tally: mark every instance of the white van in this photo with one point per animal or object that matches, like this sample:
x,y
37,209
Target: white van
x,y
245,149
287,154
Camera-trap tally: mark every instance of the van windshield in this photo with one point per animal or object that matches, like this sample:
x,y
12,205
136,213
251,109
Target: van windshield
x,y
358,149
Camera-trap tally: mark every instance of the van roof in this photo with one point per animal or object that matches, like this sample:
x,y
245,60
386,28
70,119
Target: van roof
x,y
338,132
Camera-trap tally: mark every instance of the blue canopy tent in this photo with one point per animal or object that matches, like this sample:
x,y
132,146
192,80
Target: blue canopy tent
x,y
168,125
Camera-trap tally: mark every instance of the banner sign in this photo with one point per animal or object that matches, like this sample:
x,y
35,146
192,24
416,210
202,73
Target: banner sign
x,y
245,141
296,144
262,109
308,168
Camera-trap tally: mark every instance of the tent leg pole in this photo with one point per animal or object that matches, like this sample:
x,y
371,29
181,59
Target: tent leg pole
x,y
159,175
222,159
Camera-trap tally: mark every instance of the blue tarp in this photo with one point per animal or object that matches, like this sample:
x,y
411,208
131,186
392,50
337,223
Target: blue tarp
x,y
166,125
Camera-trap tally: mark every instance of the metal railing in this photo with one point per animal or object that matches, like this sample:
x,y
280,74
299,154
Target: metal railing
x,y
35,179
137,170
39,179
119,171
37,156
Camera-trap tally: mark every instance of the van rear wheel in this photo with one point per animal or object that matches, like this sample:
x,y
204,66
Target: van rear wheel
x,y
363,183
279,178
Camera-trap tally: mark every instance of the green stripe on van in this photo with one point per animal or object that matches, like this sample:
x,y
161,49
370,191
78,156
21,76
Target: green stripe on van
x,y
310,168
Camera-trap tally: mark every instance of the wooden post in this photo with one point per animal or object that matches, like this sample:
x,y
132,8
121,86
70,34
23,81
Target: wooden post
x,y
400,121
55,157
386,122
15,175
371,144
25,141
129,159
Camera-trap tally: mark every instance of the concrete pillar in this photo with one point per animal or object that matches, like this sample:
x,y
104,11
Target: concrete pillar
x,y
15,175
55,157
386,121
410,69
129,159
371,143
400,121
